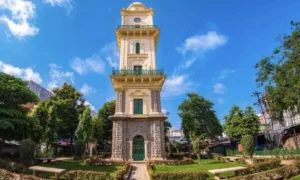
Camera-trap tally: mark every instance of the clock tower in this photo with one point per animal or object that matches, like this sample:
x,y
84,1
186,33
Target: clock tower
x,y
138,124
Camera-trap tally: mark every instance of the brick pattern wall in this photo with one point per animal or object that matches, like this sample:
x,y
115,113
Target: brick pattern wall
x,y
117,140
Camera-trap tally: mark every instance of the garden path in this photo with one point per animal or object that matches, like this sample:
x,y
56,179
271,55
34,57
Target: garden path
x,y
139,171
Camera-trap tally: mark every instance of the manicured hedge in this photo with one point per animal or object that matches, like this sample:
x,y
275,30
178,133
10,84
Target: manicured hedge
x,y
96,161
12,166
6,175
259,167
121,173
285,172
180,175
90,175
185,161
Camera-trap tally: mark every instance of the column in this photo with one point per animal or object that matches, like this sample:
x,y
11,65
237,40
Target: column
x,y
120,102
130,150
156,144
146,150
154,101
117,140
158,102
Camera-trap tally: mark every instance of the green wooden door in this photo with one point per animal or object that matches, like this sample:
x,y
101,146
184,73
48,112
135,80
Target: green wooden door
x,y
138,106
137,69
138,152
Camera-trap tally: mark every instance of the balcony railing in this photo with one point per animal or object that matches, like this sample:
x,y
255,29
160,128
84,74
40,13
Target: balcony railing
x,y
137,26
137,72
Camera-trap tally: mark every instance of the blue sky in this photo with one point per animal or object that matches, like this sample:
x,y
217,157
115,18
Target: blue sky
x,y
205,46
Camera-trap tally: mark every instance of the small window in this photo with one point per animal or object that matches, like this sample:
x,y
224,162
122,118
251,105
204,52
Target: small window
x,y
138,106
137,48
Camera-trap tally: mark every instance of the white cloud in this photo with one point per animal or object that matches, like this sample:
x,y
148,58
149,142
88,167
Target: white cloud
x,y
219,88
225,72
110,51
58,77
67,4
17,15
26,74
164,111
83,66
197,45
176,85
220,100
89,104
86,89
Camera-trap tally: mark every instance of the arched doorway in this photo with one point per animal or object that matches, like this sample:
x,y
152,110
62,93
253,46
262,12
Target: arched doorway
x,y
138,152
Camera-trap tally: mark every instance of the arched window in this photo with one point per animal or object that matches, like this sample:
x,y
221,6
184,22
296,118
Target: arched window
x,y
137,48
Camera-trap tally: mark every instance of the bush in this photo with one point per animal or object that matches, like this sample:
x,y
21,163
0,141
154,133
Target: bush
x,y
6,175
285,172
259,167
120,174
178,156
90,175
12,166
185,161
27,149
79,148
248,145
180,175
96,161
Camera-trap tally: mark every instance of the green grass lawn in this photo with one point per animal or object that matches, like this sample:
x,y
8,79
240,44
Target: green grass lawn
x,y
295,178
206,164
75,165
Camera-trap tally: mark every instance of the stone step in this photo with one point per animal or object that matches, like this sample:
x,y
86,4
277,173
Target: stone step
x,y
138,162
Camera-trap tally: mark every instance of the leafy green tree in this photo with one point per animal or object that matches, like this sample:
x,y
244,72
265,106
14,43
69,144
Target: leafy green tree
x,y
279,74
198,118
79,148
108,109
46,115
239,123
85,127
199,146
68,104
97,132
248,145
27,149
176,145
14,121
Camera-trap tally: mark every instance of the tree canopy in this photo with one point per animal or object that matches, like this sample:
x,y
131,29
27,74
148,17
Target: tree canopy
x,y
102,131
239,123
69,104
279,74
198,118
45,113
14,95
85,127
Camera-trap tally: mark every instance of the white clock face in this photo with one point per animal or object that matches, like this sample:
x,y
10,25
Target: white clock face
x,y
137,20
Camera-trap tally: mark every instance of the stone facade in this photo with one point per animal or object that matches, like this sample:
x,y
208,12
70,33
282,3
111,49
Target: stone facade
x,y
125,129
144,87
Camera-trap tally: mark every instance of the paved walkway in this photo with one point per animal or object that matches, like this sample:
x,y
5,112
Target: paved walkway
x,y
139,171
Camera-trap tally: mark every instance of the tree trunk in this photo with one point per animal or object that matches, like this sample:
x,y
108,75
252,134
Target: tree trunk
x,y
199,158
71,142
190,148
1,145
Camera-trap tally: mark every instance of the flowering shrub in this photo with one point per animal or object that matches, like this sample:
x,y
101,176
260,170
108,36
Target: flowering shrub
x,y
180,175
91,175
185,161
259,167
285,172
96,161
